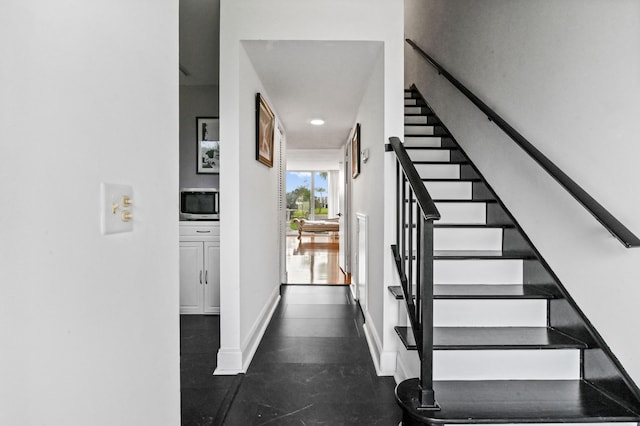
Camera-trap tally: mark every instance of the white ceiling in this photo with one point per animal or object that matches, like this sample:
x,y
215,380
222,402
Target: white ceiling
x,y
315,79
303,79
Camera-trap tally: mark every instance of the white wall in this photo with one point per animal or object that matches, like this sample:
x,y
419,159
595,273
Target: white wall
x,y
566,74
278,20
367,192
195,101
89,323
259,209
313,159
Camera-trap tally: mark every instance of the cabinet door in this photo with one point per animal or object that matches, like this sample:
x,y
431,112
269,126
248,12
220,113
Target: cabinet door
x,y
212,278
191,277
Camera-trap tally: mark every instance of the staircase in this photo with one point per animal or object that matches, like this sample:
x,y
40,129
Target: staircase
x,y
499,339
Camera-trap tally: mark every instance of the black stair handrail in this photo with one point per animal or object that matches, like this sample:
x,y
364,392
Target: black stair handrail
x,y
602,215
415,210
423,198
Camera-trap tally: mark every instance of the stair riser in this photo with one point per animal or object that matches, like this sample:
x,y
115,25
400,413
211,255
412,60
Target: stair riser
x,y
450,190
438,171
467,239
430,155
463,238
489,313
419,130
462,213
510,364
421,141
477,271
411,119
412,110
410,102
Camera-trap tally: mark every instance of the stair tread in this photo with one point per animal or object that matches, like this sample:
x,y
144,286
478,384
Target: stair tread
x,y
451,179
490,291
425,148
473,225
462,338
515,401
477,200
433,148
468,225
484,291
396,291
481,254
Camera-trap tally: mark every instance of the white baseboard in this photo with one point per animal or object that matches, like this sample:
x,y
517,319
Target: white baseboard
x,y
251,342
383,361
231,359
237,360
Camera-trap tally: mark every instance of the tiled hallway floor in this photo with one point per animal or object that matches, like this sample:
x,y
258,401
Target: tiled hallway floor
x,y
201,392
313,367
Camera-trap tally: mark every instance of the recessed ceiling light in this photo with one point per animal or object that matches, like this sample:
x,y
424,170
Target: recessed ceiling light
x,y
317,122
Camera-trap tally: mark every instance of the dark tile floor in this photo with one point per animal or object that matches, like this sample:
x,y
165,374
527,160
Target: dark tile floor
x,y
313,367
201,392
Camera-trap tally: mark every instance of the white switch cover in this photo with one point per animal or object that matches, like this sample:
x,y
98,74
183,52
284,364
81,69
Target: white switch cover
x,y
113,210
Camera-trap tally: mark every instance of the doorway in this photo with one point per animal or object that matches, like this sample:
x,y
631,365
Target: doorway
x,y
312,255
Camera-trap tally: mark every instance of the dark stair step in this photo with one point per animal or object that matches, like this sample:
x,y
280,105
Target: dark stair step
x,y
396,291
462,338
432,148
467,225
423,114
476,200
481,254
449,179
458,226
512,401
455,161
485,291
478,255
425,136
492,291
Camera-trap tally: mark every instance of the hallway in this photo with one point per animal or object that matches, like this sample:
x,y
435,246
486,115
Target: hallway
x,y
314,259
313,367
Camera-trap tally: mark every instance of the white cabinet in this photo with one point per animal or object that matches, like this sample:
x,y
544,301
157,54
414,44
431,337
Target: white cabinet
x,y
199,268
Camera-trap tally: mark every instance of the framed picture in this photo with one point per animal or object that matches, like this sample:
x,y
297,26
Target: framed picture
x,y
265,126
355,152
208,148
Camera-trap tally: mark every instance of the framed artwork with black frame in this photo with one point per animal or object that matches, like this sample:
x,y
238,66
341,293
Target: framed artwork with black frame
x,y
265,126
355,152
208,148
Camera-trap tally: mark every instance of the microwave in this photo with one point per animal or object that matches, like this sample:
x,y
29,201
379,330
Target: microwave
x,y
199,204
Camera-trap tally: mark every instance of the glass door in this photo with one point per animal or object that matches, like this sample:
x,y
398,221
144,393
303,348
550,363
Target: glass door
x,y
321,199
298,199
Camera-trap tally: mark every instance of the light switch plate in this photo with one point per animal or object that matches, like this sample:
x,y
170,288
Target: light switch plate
x,y
112,208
